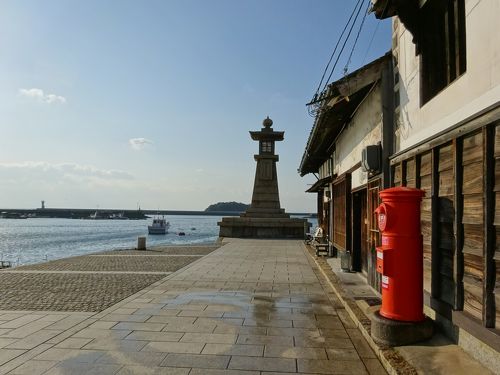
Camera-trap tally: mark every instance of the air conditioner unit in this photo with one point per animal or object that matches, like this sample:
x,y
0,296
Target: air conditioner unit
x,y
370,158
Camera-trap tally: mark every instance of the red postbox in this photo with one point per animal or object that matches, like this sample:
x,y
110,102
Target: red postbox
x,y
400,258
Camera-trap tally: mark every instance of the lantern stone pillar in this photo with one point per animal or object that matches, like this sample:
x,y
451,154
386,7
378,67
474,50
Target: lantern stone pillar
x,y
265,218
265,197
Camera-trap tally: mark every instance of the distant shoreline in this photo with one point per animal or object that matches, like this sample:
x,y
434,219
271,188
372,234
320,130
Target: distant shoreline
x,y
83,213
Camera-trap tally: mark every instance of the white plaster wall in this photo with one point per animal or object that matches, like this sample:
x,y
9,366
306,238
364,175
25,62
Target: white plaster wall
x,y
364,129
358,178
476,89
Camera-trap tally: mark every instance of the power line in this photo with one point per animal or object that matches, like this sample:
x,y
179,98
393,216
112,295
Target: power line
x,y
336,46
346,67
343,46
370,44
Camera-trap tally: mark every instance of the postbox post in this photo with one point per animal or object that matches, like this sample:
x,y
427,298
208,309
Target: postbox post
x,y
400,258
401,318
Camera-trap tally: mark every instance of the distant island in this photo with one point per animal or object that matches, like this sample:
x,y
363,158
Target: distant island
x,y
227,207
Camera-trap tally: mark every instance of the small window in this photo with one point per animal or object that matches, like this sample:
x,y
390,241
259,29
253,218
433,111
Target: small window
x,y
266,147
441,45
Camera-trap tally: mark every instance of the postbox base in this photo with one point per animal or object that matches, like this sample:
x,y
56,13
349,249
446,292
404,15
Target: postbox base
x,y
395,333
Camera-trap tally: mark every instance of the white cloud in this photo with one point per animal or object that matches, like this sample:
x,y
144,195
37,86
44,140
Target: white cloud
x,y
58,172
139,143
39,95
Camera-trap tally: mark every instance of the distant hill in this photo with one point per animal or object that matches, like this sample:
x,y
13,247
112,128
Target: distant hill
x,y
227,206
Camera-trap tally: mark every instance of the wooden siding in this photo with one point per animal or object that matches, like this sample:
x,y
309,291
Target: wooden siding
x,y
341,209
374,278
473,224
424,171
496,254
446,217
460,221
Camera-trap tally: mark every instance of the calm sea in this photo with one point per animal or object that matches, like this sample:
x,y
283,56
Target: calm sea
x,y
37,240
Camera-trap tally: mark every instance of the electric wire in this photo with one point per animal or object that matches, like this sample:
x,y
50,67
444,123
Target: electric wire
x,y
335,48
346,67
370,44
343,47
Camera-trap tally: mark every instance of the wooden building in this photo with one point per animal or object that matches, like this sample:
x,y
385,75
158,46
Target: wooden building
x,y
446,57
352,114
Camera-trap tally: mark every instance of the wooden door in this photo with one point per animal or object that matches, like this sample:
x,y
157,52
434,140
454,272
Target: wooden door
x,y
373,202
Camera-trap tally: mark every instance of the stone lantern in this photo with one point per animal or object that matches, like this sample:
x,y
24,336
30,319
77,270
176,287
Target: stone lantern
x,y
264,218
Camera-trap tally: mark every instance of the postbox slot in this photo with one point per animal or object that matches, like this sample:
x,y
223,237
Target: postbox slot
x,y
383,259
380,260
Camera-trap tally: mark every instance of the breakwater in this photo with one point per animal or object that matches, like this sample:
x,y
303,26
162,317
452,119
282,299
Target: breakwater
x,y
89,213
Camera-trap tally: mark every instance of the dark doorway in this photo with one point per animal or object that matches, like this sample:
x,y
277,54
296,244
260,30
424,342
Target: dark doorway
x,y
359,231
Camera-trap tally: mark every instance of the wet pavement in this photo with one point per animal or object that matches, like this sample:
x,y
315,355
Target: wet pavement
x,y
250,307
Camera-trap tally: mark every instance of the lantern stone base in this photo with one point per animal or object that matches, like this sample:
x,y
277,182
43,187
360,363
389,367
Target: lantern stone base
x,y
252,227
395,333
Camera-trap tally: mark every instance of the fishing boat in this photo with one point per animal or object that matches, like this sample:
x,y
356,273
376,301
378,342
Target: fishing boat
x,y
159,226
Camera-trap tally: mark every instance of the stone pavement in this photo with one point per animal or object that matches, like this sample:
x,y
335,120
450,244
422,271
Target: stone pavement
x,y
92,282
439,355
251,307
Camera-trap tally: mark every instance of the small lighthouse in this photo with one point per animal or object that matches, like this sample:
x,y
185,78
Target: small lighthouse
x,y
265,197
264,218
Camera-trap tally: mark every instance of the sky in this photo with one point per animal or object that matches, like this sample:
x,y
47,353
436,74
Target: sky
x,y
120,104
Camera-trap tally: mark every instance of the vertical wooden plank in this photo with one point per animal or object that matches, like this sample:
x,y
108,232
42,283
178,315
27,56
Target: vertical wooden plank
x,y
458,264
417,171
348,229
403,173
489,228
435,285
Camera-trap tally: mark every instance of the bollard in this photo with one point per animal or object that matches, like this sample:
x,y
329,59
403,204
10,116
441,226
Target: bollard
x,y
141,243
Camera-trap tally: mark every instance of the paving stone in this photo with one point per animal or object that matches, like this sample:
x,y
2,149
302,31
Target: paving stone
x,y
374,367
322,342
7,354
262,364
331,367
152,370
93,333
34,339
294,352
154,336
206,371
217,338
241,330
68,292
265,340
174,347
196,361
199,328
33,367
6,341
171,319
133,326
346,354
228,349
364,350
65,368
132,358
115,344
73,343
70,355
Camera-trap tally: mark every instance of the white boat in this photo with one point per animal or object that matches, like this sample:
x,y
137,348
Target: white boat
x,y
159,226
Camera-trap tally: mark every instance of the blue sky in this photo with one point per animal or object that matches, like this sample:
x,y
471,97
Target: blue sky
x,y
115,103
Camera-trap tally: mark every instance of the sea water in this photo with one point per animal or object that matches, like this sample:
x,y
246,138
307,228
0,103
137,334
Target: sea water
x,y
37,240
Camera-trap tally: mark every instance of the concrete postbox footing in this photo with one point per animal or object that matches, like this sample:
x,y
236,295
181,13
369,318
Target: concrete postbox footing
x,y
141,243
395,333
